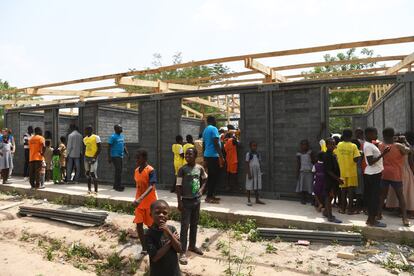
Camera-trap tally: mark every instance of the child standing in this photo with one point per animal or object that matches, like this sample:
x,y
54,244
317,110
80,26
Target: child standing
x,y
42,173
56,167
304,171
162,242
332,178
48,154
145,179
254,173
189,144
191,184
348,155
178,152
230,148
63,155
319,182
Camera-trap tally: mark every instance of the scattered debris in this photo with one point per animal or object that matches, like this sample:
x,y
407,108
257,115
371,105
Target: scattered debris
x,y
303,242
95,218
311,235
346,255
5,207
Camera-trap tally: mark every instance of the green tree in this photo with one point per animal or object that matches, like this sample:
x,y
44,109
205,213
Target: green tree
x,y
337,124
4,86
182,75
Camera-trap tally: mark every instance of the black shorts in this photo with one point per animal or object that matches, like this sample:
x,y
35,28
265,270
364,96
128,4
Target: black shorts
x,y
394,184
331,186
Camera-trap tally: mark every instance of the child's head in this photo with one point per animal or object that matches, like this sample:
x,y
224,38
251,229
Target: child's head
x,y
179,139
388,134
63,139
359,133
330,144
88,130
191,155
142,157
47,143
347,135
189,139
159,211
304,145
320,156
253,145
56,151
357,143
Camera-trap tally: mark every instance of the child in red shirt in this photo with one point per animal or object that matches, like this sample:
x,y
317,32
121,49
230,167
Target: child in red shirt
x,y
145,180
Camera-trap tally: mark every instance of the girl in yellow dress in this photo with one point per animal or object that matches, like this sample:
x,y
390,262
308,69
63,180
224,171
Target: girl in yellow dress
x,y
178,152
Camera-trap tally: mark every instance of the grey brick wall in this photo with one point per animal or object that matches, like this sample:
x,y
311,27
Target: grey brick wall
x,y
64,123
190,126
109,116
26,120
395,108
359,122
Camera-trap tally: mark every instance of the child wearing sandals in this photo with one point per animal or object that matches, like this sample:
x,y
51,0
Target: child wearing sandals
x,y
254,173
319,182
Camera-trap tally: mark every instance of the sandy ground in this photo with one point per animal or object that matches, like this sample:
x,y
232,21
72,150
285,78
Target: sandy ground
x,y
25,243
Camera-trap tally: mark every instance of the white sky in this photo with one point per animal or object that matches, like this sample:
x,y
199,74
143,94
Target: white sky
x,y
46,41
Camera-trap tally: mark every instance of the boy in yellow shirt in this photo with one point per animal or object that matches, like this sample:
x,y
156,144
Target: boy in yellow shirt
x,y
178,152
92,144
348,155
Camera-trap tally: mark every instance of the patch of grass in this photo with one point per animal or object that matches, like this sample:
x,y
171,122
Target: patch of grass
x,y
55,244
122,237
175,215
91,202
244,226
49,254
392,265
356,229
208,221
114,261
79,250
60,200
80,266
133,266
407,242
25,236
253,236
270,248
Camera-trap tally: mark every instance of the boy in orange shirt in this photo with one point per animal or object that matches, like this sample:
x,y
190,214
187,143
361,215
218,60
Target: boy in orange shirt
x,y
145,179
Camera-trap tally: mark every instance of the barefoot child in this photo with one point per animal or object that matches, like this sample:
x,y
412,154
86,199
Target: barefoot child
x,y
145,179
191,184
254,173
332,178
162,242
304,171
319,182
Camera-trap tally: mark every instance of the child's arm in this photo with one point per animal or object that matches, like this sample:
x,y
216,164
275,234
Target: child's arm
x,y
175,242
297,166
203,181
161,252
178,187
153,181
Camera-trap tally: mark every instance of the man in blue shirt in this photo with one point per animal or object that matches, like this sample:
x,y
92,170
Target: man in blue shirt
x,y
213,158
116,150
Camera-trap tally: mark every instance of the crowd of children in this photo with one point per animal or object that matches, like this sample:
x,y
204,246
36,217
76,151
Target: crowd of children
x,y
355,172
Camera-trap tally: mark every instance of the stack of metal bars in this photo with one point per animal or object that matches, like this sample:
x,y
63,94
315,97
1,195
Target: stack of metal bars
x,y
90,218
311,235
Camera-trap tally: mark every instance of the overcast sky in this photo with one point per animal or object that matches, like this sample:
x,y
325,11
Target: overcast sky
x,y
48,40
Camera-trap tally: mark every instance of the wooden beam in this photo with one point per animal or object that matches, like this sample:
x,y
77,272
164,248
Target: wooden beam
x,y
346,107
162,86
269,73
102,88
80,93
233,81
205,102
368,89
339,62
189,109
404,63
297,51
338,73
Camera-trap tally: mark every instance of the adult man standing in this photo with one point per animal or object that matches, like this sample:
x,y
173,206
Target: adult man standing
x,y
92,149
74,150
37,148
116,150
213,158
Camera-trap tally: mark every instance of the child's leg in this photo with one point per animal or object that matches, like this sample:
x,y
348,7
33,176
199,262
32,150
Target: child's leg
x,y
185,221
343,199
88,176
248,196
401,200
95,183
140,231
328,206
351,196
303,197
258,201
194,218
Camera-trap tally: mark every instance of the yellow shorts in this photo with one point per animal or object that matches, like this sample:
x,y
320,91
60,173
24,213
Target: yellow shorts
x,y
349,182
143,216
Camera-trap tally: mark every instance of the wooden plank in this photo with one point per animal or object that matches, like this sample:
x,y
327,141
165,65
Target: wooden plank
x,y
162,86
297,51
187,108
205,102
102,88
404,63
350,90
81,93
339,62
263,69
346,107
232,81
339,73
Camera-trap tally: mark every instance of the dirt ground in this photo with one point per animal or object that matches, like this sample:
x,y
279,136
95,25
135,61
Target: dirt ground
x,y
35,246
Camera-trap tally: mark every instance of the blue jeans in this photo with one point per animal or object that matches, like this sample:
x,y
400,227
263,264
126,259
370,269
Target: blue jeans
x,y
71,164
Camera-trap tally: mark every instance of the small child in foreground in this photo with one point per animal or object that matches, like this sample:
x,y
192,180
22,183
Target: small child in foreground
x,y
145,179
191,184
57,177
304,171
42,175
254,173
162,242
